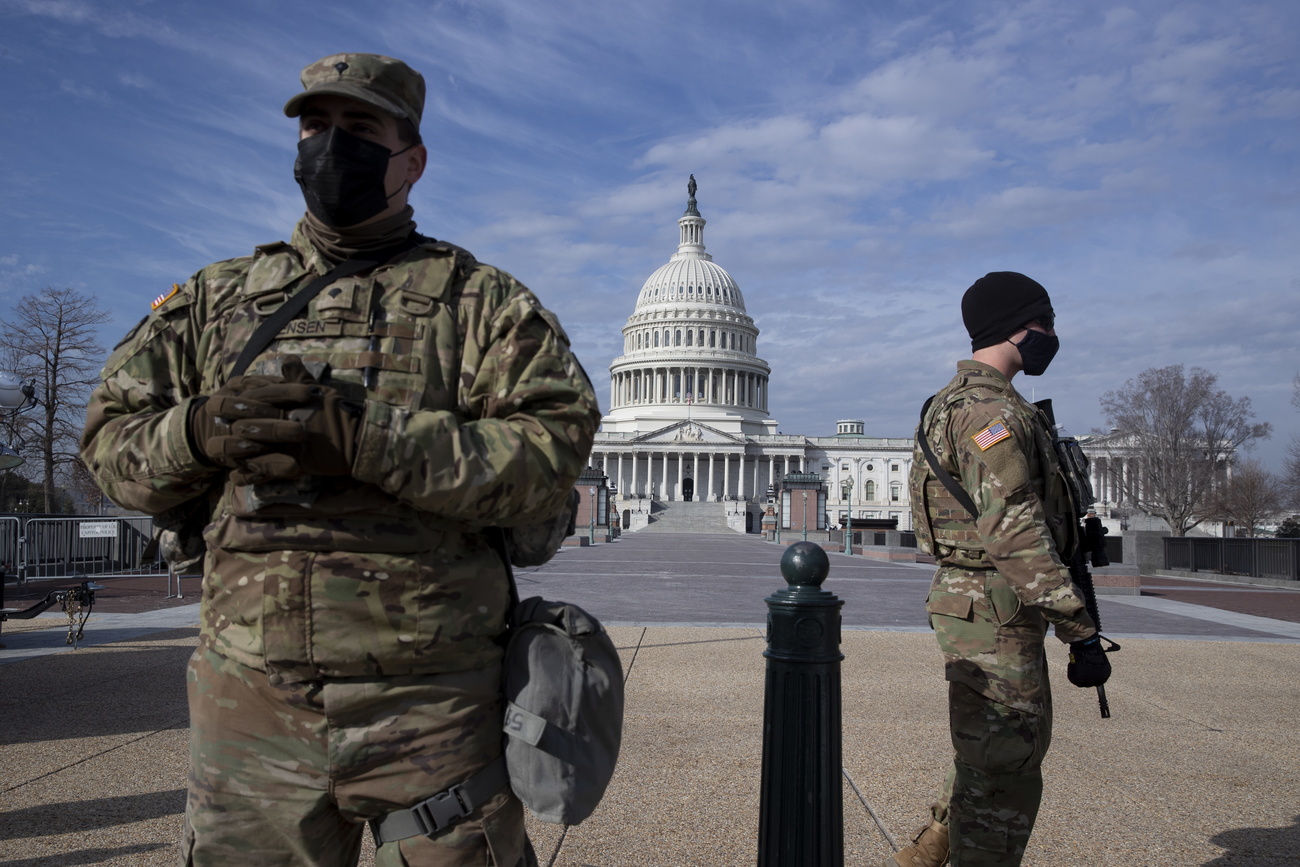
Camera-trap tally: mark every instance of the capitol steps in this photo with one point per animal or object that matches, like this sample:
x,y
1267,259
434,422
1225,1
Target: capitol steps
x,y
693,517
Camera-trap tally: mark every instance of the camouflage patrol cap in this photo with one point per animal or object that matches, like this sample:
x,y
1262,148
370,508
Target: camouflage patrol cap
x,y
384,82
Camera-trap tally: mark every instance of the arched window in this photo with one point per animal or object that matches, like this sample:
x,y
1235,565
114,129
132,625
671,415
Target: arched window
x,y
700,341
733,340
689,334
656,338
713,339
871,490
677,338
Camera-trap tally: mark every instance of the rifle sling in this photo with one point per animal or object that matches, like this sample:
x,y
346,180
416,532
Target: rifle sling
x,y
940,473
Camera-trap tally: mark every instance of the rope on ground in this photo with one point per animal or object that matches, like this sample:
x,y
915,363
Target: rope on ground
x,y
879,824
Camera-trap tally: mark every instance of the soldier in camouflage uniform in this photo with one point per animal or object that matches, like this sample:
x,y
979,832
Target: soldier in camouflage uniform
x,y
1001,579
349,659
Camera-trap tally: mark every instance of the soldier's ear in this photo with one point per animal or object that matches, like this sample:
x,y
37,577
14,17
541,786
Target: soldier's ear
x,y
417,158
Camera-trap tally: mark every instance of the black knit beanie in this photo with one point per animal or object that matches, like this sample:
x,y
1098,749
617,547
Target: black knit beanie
x,y
999,304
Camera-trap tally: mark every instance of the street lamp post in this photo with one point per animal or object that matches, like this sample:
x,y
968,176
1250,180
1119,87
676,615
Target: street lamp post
x,y
848,521
592,506
805,516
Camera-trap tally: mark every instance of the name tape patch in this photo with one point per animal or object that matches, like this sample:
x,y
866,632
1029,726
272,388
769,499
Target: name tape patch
x,y
994,433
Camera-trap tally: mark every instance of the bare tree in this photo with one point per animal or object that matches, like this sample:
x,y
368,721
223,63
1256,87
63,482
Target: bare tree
x,y
1251,496
1181,434
50,337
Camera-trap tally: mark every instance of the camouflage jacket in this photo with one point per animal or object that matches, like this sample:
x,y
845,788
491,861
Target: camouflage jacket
x,y
999,449
477,415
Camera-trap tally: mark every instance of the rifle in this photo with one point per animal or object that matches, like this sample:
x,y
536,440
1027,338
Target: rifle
x,y
1091,533
1082,579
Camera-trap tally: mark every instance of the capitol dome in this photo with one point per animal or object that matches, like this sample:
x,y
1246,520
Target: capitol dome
x,y
689,347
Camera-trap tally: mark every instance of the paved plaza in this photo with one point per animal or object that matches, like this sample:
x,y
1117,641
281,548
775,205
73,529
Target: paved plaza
x,y
1199,765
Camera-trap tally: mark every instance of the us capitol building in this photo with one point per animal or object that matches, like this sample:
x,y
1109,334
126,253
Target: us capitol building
x,y
689,416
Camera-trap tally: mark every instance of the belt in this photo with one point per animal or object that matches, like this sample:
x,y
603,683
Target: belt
x,y
450,806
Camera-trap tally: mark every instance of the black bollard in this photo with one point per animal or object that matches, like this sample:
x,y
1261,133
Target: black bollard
x,y
801,807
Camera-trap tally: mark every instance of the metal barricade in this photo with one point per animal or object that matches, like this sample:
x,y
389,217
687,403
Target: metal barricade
x,y
75,546
1279,558
1239,556
1256,557
11,532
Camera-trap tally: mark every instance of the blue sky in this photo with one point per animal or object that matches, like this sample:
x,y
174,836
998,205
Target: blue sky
x,y
859,165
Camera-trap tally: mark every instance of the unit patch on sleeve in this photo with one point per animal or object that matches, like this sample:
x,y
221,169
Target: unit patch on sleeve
x,y
166,296
994,433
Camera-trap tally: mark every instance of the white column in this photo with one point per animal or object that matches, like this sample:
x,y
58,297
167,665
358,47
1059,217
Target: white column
x,y
726,474
663,492
754,491
681,459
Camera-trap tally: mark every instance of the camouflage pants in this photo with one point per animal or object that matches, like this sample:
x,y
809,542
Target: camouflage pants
x,y
991,795
288,774
999,712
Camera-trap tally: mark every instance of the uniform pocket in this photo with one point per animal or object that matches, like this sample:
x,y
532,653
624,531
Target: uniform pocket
x,y
960,625
1007,609
957,605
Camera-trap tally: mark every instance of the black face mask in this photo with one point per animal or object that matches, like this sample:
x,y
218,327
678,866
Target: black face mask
x,y
342,176
1037,351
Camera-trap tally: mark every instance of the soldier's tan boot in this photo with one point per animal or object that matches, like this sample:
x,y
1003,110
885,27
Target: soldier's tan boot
x,y
929,848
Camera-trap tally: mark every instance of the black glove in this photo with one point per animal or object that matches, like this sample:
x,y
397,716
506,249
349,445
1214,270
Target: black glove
x,y
235,423
1088,666
317,436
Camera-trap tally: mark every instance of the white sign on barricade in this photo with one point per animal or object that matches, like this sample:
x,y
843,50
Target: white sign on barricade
x,y
97,530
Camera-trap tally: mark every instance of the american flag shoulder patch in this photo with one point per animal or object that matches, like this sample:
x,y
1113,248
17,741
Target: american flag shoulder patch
x,y
994,433
166,296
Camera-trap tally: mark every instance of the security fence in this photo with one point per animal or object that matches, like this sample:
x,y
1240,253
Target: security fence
x,y
58,547
1258,558
903,538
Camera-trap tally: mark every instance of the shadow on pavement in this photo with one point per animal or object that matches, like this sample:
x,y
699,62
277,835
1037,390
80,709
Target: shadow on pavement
x,y
87,856
92,694
40,820
1258,847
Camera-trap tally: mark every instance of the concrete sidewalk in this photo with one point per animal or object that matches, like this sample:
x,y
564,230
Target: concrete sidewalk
x,y
1200,763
